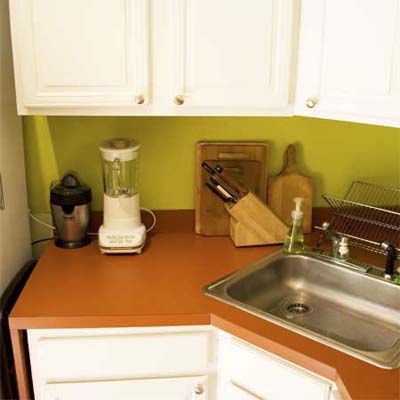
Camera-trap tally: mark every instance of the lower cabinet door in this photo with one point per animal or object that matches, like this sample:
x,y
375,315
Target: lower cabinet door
x,y
190,388
250,371
232,391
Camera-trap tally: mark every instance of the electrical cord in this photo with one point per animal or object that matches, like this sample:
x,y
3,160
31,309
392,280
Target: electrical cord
x,y
147,230
39,221
154,218
41,240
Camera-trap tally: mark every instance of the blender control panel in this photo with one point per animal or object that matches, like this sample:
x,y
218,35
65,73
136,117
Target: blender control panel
x,y
122,240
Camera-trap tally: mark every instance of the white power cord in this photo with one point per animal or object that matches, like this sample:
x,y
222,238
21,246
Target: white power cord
x,y
39,221
154,218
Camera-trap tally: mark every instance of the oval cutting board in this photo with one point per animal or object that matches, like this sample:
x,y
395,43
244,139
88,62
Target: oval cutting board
x,y
287,185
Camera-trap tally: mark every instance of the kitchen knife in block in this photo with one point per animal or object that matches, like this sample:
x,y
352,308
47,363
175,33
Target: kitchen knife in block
x,y
246,162
283,188
252,223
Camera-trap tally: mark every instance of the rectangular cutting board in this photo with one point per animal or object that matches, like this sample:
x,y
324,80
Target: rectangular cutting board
x,y
245,161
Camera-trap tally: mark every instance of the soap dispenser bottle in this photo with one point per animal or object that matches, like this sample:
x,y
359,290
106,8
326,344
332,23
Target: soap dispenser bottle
x,y
294,242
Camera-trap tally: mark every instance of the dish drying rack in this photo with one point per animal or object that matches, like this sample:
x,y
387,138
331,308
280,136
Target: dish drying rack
x,y
368,215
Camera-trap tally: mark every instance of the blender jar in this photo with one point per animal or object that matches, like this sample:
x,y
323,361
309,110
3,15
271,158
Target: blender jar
x,y
120,167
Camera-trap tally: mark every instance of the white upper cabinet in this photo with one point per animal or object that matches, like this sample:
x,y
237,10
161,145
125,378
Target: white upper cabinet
x,y
159,57
73,56
349,61
209,57
233,56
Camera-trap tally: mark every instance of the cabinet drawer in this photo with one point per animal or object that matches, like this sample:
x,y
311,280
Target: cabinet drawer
x,y
191,388
94,354
266,376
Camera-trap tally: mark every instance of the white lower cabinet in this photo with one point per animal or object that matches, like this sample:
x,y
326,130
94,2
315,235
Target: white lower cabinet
x,y
163,363
172,363
192,388
247,372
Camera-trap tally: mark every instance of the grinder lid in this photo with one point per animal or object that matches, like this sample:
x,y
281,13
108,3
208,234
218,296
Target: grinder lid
x,y
70,192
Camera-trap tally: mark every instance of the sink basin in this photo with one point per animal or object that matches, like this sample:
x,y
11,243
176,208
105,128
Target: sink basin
x,y
341,307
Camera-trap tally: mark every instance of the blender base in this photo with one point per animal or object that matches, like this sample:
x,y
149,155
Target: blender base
x,y
121,250
122,241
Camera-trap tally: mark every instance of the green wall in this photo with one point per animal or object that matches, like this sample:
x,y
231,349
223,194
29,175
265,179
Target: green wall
x,y
334,153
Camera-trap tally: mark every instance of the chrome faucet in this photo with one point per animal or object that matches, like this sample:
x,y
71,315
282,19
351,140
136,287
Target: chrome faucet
x,y
340,243
340,254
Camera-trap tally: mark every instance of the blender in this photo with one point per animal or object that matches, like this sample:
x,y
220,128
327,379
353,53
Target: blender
x,y
122,230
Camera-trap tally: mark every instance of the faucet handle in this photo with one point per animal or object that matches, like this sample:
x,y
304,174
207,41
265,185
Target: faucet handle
x,y
340,247
340,243
390,259
343,250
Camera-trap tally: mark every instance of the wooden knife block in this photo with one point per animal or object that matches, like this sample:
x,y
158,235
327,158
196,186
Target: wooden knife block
x,y
252,223
247,162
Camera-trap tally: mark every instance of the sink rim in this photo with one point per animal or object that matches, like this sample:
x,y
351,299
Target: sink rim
x,y
386,359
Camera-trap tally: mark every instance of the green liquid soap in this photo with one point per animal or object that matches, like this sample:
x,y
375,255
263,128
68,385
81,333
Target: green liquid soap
x,y
294,242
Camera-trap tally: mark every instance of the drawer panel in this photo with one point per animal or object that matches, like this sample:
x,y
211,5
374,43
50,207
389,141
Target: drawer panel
x,y
267,376
149,389
68,355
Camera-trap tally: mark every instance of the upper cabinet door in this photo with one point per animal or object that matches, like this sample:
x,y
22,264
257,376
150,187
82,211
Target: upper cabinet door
x,y
233,56
74,54
349,61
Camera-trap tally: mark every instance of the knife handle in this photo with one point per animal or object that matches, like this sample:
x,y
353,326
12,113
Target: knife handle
x,y
216,192
239,187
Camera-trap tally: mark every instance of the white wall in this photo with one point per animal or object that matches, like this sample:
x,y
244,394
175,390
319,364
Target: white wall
x,y
15,249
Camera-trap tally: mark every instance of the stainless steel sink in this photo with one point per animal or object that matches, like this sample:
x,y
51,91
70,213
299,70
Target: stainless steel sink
x,y
335,305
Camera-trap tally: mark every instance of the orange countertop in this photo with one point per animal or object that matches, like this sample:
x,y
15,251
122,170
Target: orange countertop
x,y
162,286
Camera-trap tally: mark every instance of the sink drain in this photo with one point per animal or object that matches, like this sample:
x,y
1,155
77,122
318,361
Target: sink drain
x,y
295,306
298,308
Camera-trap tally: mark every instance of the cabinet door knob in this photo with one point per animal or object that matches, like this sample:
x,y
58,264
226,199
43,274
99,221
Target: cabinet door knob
x,y
199,389
311,102
139,99
179,100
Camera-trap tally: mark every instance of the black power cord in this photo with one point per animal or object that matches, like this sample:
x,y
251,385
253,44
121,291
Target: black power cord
x,y
41,240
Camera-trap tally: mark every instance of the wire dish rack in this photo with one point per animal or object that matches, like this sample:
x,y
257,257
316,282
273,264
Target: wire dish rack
x,y
368,215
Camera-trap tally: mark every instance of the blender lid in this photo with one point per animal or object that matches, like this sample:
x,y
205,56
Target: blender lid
x,y
121,148
70,192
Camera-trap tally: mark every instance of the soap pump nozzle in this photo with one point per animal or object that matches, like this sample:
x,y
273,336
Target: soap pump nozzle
x,y
297,213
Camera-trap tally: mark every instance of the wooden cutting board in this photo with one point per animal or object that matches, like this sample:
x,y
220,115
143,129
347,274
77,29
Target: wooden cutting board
x,y
245,161
287,185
